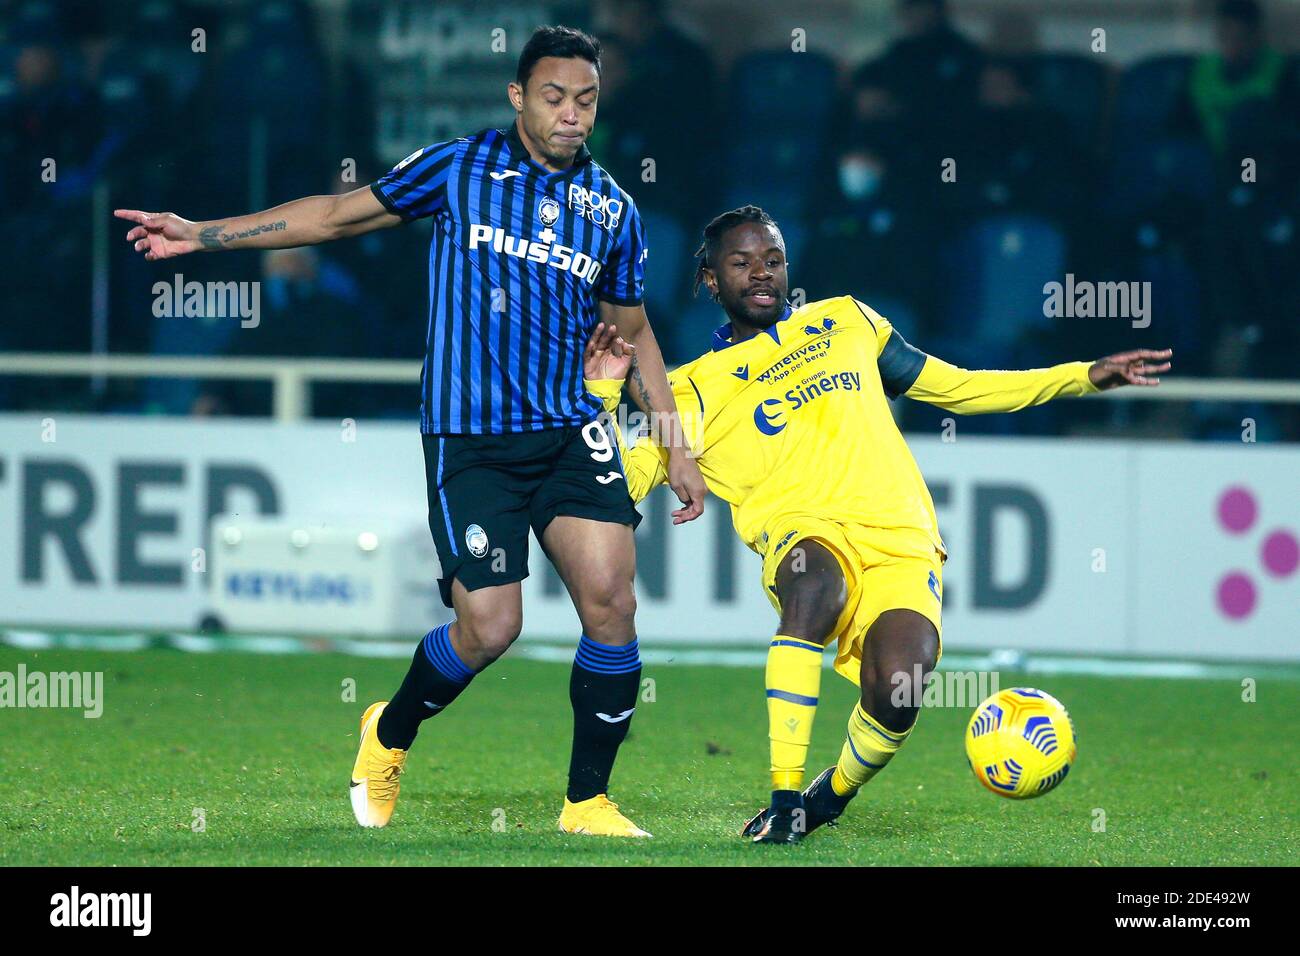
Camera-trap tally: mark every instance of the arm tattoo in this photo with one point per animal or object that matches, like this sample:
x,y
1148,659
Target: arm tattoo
x,y
213,238
640,385
673,438
208,236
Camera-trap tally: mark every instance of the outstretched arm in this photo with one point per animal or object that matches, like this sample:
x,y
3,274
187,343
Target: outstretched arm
x,y
981,392
906,370
303,222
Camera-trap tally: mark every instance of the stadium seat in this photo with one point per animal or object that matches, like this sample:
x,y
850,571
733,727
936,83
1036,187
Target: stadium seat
x,y
775,172
669,264
155,20
1148,96
176,70
278,74
792,85
997,269
1177,288
123,93
1149,172
790,158
35,20
795,233
281,22
900,315
284,84
8,86
689,333
1074,85
782,202
157,43
272,103
993,316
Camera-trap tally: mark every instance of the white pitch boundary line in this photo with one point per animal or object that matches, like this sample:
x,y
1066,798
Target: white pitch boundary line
x,y
1020,662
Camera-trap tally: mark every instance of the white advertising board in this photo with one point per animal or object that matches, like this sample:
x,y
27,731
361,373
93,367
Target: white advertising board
x,y
1082,546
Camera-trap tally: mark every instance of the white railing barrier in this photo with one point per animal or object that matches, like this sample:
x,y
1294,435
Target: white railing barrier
x,y
291,397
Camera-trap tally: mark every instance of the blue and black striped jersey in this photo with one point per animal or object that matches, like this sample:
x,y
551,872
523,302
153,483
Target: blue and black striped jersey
x,y
519,258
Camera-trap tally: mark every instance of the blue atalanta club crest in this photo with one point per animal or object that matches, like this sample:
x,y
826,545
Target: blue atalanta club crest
x,y
476,540
548,211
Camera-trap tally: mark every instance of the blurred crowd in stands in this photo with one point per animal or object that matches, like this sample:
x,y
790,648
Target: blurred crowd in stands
x,y
939,182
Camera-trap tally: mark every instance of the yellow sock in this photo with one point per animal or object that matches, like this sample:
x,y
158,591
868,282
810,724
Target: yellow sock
x,y
794,677
866,751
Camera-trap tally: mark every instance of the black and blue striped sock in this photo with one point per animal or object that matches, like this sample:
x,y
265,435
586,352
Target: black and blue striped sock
x,y
436,678
603,690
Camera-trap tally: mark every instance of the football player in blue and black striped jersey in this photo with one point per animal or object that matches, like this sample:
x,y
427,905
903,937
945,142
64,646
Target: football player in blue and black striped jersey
x,y
534,246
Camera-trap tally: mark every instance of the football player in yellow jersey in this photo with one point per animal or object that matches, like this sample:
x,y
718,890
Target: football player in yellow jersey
x,y
788,414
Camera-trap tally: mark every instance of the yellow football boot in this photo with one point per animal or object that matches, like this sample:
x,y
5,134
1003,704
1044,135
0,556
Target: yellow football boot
x,y
598,816
375,775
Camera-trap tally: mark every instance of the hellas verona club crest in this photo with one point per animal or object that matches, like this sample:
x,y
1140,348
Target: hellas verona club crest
x,y
476,540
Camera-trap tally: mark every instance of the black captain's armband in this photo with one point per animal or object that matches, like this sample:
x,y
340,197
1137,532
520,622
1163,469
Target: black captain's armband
x,y
899,364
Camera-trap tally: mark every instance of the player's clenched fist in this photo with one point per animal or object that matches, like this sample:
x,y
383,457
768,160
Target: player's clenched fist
x,y
161,235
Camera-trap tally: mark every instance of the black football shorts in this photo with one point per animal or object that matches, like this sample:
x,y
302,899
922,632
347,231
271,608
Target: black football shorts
x,y
487,491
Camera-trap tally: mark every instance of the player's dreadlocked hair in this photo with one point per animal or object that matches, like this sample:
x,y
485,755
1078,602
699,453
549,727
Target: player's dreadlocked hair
x,y
713,233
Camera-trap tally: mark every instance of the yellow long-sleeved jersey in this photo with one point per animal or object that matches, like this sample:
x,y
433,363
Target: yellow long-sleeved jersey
x,y
796,421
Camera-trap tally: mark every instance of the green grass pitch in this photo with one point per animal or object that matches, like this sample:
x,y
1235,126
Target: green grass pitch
x,y
1185,772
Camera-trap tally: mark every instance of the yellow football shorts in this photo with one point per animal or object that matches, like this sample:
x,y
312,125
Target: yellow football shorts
x,y
884,569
